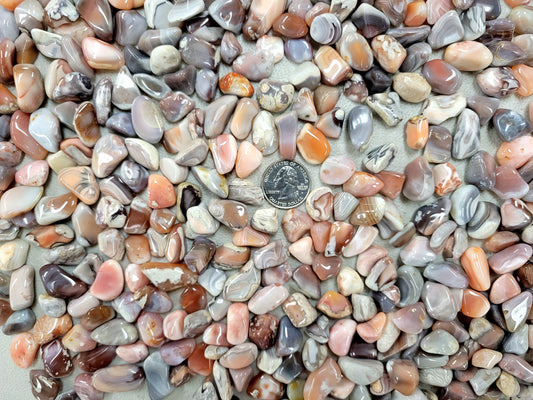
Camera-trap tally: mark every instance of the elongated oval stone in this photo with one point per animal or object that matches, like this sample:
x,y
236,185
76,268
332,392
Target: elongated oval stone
x,y
118,378
115,332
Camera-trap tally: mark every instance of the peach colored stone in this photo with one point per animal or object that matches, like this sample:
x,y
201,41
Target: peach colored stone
x,y
29,86
237,319
133,353
109,281
134,277
468,56
486,358
516,152
248,236
101,55
341,335
372,330
362,184
161,192
322,381
475,305
23,350
312,144
524,75
474,262
216,335
248,159
173,325
334,305
504,288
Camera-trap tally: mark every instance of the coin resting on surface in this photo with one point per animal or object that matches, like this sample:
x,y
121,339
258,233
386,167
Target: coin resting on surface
x,y
285,184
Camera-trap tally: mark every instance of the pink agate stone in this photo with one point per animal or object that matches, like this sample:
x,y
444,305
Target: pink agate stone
x,y
341,335
109,281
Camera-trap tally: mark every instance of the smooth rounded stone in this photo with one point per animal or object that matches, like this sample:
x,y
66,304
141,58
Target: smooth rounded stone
x,y
438,377
417,55
509,184
109,151
468,56
443,77
73,86
239,356
497,82
154,88
34,173
465,201
439,342
175,106
156,372
370,20
164,59
265,220
13,254
325,29
147,119
411,87
21,288
344,204
386,106
473,20
419,182
515,310
126,307
361,371
439,301
483,379
448,274
19,200
360,126
97,316
510,125
508,384
18,322
56,359
267,299
229,14
504,288
438,109
410,319
486,358
481,171
116,332
403,375
446,30
136,61
268,361
29,87
517,342
200,222
118,378
52,306
364,307
485,221
43,386
143,153
50,137
121,122
438,148
217,115
298,50
410,284
125,91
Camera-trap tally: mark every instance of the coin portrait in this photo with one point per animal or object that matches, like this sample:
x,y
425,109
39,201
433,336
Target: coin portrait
x,y
285,184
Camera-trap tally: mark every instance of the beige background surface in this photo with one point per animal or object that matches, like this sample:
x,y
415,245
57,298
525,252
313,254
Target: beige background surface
x,y
15,384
